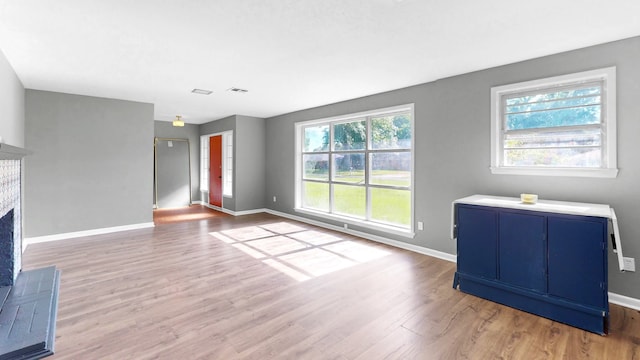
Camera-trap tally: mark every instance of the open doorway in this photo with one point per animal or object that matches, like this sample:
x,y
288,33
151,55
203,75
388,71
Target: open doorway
x,y
172,175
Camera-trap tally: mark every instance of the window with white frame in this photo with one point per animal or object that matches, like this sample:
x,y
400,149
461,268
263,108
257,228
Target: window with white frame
x,y
227,163
561,126
204,163
358,168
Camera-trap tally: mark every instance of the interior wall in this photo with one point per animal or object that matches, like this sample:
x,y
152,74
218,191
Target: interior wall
x,y
452,148
248,160
12,105
249,163
165,129
92,163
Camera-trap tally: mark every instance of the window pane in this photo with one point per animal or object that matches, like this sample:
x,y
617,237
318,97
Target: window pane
x,y
391,132
553,104
316,166
553,118
564,107
349,200
350,136
391,206
574,138
316,138
348,167
393,169
567,94
315,195
559,157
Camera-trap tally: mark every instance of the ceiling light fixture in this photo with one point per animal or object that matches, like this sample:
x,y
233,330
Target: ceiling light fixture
x,y
201,91
178,121
235,89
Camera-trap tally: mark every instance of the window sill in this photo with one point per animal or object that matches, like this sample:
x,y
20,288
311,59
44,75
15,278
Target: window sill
x,y
407,233
593,173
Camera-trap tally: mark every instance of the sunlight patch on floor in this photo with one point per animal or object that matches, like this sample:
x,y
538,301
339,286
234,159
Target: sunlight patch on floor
x,y
299,253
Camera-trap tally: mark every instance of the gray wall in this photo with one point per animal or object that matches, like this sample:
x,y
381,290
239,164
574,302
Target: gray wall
x,y
12,105
452,147
248,160
172,184
165,129
92,165
249,163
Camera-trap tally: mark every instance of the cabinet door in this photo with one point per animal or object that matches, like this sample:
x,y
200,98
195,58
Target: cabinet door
x,y
577,264
522,250
477,241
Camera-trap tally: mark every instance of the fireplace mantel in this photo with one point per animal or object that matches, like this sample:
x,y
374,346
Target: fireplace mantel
x,y
8,152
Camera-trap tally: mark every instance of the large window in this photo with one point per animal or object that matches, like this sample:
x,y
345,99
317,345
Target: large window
x,y
358,168
564,125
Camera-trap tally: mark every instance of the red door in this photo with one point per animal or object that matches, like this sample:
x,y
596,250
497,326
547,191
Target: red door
x,y
215,170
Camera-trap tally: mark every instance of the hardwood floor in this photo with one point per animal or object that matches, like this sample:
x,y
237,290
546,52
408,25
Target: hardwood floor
x,y
189,213
262,287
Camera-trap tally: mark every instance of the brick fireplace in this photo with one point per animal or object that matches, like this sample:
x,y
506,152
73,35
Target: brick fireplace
x,y
28,299
10,219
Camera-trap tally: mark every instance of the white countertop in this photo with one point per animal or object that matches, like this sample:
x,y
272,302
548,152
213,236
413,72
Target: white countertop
x,y
560,207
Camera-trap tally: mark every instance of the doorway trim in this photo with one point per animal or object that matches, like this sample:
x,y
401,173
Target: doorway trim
x,y
204,167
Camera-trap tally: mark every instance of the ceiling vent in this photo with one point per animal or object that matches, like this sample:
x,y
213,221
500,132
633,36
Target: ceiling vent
x,y
201,91
238,90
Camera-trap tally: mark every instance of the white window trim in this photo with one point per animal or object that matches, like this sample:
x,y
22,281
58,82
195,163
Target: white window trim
x,y
409,232
611,169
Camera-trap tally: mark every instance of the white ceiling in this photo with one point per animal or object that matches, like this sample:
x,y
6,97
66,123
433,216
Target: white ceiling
x,y
289,54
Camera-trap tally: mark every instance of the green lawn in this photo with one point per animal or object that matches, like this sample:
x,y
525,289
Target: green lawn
x,y
387,205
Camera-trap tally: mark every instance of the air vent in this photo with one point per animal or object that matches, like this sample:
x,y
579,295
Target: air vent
x,y
238,90
201,91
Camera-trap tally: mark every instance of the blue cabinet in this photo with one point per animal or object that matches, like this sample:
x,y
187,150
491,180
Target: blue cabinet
x,y
550,264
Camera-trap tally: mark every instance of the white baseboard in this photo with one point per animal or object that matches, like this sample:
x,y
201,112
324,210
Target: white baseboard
x,y
76,234
249,212
380,239
230,212
625,301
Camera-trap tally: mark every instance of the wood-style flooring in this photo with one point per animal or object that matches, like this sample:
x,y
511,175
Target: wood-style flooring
x,y
264,287
189,213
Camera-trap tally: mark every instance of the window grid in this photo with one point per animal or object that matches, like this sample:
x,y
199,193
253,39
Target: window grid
x,y
531,131
556,126
367,152
204,163
227,141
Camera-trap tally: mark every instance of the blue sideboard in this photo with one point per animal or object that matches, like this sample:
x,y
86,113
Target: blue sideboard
x,y
549,259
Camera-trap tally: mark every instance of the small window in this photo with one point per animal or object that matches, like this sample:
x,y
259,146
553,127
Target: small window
x,y
227,153
560,126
